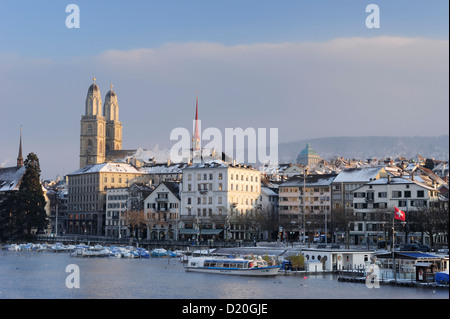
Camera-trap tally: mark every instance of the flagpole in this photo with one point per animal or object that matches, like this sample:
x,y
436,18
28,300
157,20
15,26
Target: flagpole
x,y
393,247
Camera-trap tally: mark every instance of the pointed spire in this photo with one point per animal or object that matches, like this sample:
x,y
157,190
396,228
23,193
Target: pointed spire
x,y
196,137
20,157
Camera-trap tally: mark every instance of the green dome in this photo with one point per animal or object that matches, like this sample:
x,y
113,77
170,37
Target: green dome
x,y
308,151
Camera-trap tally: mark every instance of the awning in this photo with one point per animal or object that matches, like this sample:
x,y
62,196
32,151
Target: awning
x,y
191,231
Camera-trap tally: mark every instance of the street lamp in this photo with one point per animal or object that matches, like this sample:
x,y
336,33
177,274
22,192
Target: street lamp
x,y
305,172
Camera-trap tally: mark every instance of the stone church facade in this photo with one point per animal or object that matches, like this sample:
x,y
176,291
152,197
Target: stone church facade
x,y
101,130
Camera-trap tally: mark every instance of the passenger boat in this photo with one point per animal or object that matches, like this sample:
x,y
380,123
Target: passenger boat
x,y
232,266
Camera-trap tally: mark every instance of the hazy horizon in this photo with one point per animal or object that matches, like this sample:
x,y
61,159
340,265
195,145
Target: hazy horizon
x,y
310,69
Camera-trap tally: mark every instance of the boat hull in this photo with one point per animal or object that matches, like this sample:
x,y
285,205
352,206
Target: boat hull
x,y
260,272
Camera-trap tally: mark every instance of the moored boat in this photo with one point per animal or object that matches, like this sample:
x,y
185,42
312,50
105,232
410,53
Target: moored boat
x,y
232,266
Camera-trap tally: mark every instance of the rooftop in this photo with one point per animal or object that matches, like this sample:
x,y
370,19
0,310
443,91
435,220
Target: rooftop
x,y
106,167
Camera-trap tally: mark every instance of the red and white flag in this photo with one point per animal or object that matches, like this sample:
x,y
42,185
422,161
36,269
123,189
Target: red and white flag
x,y
400,215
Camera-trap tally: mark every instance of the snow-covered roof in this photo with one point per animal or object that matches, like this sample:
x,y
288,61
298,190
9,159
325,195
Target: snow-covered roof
x,y
267,191
107,167
399,180
216,163
10,178
310,181
164,168
355,175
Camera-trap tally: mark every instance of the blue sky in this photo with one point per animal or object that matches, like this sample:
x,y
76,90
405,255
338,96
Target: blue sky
x,y
309,68
37,28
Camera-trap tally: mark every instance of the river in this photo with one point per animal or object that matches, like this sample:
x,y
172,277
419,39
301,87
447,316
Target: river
x,y
43,275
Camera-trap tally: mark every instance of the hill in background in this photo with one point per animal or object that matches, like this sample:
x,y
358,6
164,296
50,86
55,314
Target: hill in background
x,y
365,147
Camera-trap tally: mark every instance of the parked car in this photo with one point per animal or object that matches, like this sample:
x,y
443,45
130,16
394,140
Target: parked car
x,y
423,247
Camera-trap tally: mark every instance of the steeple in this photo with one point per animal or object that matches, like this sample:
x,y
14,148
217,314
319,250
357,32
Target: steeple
x,y
20,157
113,125
92,133
196,136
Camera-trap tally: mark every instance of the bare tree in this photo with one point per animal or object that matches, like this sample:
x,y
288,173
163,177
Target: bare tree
x,y
135,219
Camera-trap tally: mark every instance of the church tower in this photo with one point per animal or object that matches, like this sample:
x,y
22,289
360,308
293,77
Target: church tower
x,y
93,126
20,157
113,126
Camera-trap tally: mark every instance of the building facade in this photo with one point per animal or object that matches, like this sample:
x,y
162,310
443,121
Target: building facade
x,y
374,202
214,196
305,206
161,209
87,189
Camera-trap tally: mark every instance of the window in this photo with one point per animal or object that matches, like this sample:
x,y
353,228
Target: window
x,y
420,194
408,194
382,195
220,175
396,194
402,203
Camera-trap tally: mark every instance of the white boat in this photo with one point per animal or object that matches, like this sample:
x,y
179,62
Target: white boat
x,y
83,252
232,266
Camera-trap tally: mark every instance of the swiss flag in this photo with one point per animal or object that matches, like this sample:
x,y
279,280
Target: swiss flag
x,y
400,215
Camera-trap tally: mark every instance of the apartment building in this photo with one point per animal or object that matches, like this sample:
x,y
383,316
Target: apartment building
x,y
161,209
374,202
305,204
213,195
87,189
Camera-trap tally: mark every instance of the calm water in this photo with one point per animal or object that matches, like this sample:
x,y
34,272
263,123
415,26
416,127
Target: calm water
x,y
32,275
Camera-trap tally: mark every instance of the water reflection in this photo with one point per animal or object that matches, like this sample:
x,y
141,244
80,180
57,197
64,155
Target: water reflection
x,y
42,275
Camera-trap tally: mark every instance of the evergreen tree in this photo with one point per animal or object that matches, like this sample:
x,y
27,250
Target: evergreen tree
x,y
9,216
32,197
429,163
24,210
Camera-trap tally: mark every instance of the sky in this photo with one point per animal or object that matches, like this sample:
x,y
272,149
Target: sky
x,y
308,68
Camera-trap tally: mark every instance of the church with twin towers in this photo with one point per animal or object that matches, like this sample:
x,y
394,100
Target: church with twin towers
x,y
101,130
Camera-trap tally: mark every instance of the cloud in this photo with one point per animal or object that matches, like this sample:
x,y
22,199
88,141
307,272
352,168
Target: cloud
x,y
343,87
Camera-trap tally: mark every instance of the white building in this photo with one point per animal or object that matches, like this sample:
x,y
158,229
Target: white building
x,y
161,210
116,206
379,197
214,195
337,259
